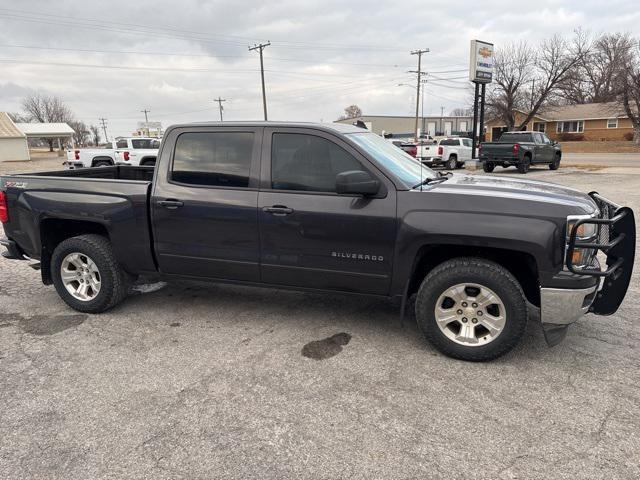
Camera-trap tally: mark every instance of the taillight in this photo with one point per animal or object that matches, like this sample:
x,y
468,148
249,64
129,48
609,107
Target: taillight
x,y
413,151
126,156
516,148
77,154
4,211
440,150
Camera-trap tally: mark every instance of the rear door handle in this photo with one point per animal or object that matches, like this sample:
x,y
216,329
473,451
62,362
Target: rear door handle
x,y
170,204
278,210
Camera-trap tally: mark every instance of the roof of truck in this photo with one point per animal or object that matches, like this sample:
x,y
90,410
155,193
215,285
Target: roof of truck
x,y
333,127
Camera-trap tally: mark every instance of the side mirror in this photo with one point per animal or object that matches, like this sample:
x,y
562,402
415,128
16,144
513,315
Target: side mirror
x,y
356,182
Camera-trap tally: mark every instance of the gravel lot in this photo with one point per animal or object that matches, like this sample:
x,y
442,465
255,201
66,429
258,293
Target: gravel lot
x,y
193,381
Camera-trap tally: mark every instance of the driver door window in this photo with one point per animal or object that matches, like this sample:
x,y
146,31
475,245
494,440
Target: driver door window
x,y
308,163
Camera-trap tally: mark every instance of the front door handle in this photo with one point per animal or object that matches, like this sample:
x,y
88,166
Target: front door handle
x,y
170,204
278,210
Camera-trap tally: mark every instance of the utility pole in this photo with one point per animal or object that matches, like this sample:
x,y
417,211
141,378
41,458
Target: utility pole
x,y
260,47
220,100
145,111
103,121
419,72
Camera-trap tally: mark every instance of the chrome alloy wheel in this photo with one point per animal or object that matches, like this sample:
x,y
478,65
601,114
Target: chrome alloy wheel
x,y
470,314
80,276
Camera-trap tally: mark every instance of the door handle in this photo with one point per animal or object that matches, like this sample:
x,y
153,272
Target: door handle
x,y
170,204
278,210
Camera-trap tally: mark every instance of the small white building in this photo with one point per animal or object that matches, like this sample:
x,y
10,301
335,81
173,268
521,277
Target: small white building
x,y
13,142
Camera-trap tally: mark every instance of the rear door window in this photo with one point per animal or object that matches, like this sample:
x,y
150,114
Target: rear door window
x,y
217,159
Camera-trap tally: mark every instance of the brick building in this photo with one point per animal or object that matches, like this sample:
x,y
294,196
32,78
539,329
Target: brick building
x,y
589,121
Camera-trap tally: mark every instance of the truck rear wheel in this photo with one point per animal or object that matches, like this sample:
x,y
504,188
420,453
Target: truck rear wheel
x,y
471,309
87,275
452,163
523,167
488,167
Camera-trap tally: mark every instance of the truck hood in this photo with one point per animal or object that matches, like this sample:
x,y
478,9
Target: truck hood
x,y
516,189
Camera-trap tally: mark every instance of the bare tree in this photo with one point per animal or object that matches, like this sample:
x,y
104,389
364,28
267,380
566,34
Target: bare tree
x,y
80,133
593,79
513,70
628,88
352,111
46,109
461,112
526,79
17,117
95,134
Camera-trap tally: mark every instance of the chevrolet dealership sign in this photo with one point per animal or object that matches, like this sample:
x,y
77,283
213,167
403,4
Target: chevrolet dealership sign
x,y
481,62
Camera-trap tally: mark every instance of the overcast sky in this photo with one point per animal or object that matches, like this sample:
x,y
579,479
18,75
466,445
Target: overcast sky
x,y
113,59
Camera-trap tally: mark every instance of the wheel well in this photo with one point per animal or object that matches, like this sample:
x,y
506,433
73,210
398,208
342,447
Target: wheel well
x,y
101,159
521,265
54,230
527,155
147,160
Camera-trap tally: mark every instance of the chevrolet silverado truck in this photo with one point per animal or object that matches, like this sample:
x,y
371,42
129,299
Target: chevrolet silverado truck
x,y
130,151
327,208
452,152
520,149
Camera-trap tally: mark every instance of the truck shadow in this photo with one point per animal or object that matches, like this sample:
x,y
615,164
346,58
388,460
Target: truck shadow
x,y
308,314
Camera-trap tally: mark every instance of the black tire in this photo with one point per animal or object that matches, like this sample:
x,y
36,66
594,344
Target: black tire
x,y
452,163
481,272
523,167
488,167
114,281
556,163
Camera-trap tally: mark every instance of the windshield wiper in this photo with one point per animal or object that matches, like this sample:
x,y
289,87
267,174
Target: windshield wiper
x,y
442,177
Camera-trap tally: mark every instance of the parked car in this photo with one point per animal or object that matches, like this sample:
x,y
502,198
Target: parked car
x,y
452,152
328,208
139,151
91,157
520,149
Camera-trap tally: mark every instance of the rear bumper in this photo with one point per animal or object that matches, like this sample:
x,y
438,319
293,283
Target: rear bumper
x,y
73,165
13,251
500,160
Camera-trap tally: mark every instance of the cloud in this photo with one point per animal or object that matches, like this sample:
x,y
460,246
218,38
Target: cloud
x,y
323,56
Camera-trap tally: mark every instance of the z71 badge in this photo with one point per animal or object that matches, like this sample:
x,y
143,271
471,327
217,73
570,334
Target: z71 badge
x,y
15,184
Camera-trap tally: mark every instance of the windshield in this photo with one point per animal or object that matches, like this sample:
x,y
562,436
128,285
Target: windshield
x,y
409,170
515,137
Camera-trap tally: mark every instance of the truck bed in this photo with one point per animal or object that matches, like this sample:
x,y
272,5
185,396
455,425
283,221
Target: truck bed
x,y
114,200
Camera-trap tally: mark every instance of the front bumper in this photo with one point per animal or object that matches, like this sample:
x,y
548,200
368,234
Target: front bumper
x,y
560,307
616,240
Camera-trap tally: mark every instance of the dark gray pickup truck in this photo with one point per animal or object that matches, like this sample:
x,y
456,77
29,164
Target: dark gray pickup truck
x,y
327,208
520,149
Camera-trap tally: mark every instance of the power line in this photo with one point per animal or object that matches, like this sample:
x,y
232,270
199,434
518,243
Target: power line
x,y
220,100
260,47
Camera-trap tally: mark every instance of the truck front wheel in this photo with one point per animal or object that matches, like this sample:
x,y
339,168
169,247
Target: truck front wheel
x,y
471,309
87,275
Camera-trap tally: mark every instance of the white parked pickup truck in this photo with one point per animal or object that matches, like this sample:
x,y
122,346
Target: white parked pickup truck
x,y
451,152
140,150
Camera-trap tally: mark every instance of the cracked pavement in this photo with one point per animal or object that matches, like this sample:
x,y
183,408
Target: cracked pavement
x,y
195,381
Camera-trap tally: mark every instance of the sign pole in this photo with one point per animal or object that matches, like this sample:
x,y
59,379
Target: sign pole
x,y
475,121
482,100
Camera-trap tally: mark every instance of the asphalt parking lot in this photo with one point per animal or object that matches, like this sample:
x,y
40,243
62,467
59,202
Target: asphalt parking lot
x,y
209,381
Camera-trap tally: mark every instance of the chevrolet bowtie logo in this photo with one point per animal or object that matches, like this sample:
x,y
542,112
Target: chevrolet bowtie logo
x,y
485,52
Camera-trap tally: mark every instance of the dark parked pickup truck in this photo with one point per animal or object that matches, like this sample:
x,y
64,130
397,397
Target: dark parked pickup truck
x,y
329,208
520,149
